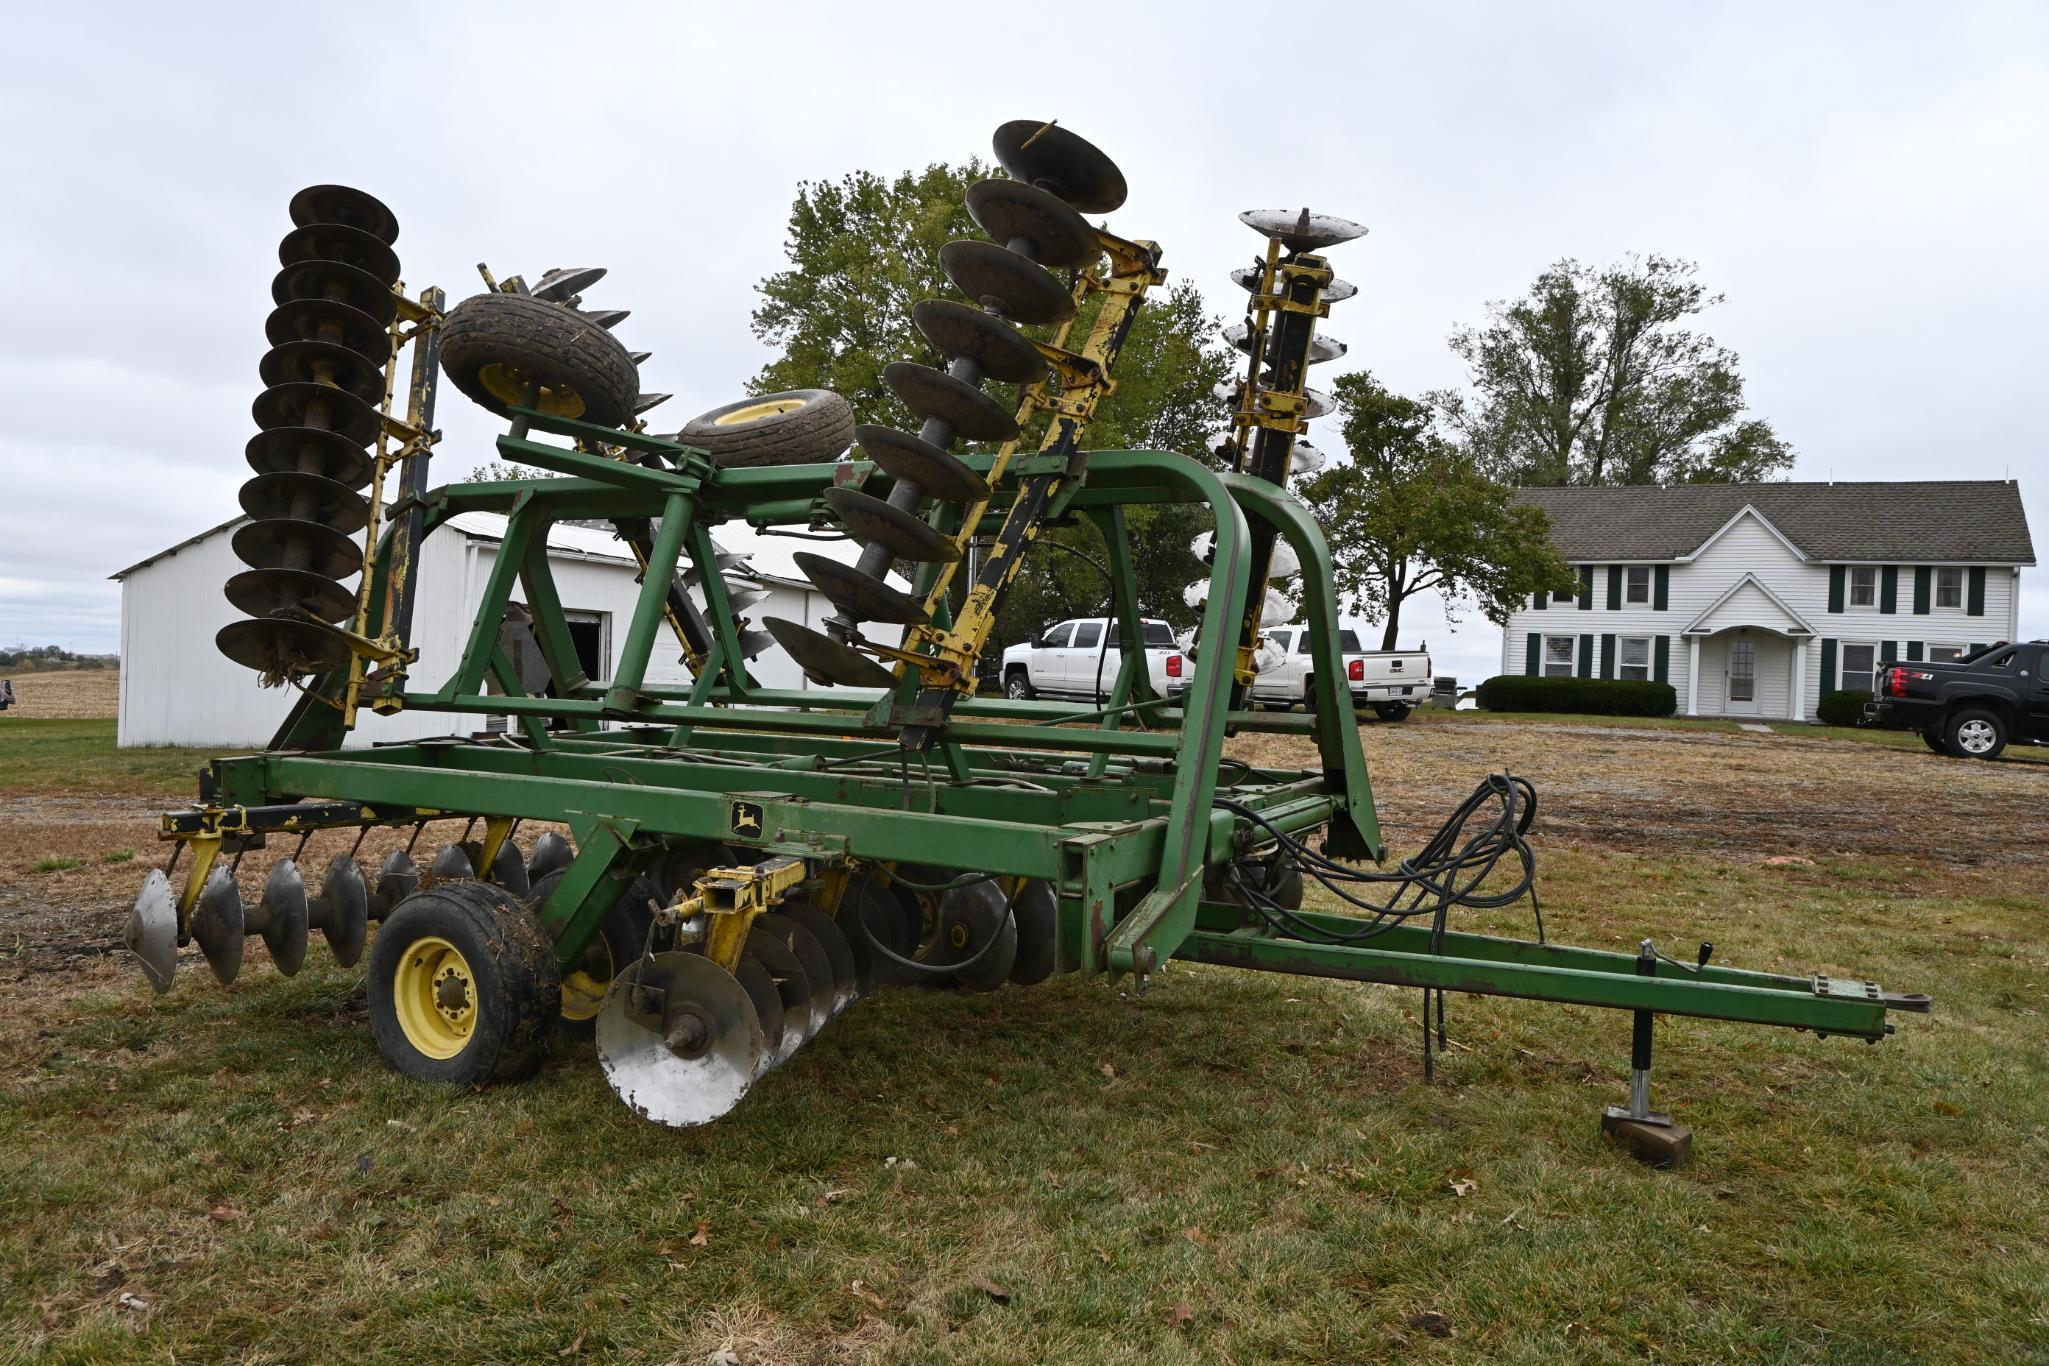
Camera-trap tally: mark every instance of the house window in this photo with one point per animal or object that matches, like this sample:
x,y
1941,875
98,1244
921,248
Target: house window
x,y
1944,654
1558,655
1639,586
1858,662
1562,598
1863,585
1949,588
1635,657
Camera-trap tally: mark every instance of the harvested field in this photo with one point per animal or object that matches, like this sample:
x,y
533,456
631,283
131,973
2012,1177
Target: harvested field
x,y
64,695
1231,1168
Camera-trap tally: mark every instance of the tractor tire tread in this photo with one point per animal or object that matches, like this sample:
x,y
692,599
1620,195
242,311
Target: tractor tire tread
x,y
815,433
548,340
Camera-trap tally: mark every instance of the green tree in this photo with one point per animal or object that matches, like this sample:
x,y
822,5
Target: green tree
x,y
863,249
1593,377
1411,512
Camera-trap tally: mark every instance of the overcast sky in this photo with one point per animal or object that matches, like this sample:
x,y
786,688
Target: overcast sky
x,y
1864,182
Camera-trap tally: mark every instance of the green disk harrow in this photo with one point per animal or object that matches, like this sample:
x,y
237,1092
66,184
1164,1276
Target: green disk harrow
x,y
743,863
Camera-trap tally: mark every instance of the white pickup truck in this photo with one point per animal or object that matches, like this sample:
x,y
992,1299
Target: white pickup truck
x,y
1080,658
1389,681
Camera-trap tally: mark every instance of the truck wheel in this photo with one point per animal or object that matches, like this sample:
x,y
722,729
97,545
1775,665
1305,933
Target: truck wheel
x,y
1975,733
1308,694
1391,711
1932,737
1017,686
463,986
494,346
800,427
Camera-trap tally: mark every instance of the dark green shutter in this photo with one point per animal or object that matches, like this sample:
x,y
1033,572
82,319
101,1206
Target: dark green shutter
x,y
1975,602
1533,649
1607,656
1835,587
1614,587
1543,601
1889,590
1661,587
1586,656
1923,577
1586,588
1661,659
1888,652
1828,665
1913,652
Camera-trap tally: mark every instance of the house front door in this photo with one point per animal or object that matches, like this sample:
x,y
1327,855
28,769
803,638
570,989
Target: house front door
x,y
1742,681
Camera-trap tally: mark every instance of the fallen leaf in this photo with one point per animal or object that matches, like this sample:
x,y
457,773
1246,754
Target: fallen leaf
x,y
991,1289
222,1214
1108,1071
951,1129
724,1356
1180,1314
1196,1236
573,1348
831,1197
494,1201
1431,1322
870,1296
1464,1187
703,1235
129,1300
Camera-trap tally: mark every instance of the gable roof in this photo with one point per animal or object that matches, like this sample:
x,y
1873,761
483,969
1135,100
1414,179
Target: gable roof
x,y
1977,521
1772,612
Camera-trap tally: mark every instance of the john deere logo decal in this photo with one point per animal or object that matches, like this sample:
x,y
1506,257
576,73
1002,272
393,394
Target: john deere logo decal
x,y
747,818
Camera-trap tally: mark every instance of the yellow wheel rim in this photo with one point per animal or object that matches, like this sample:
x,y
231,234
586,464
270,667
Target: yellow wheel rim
x,y
754,412
508,384
583,990
436,995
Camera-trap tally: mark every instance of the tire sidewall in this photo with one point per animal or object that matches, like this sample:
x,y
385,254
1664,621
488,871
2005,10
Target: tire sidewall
x,y
1967,716
481,921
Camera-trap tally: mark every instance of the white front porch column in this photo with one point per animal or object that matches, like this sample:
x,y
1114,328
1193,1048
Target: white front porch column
x,y
1693,675
1798,710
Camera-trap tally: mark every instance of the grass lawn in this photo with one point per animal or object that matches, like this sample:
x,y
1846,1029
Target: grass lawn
x,y
1231,1167
79,756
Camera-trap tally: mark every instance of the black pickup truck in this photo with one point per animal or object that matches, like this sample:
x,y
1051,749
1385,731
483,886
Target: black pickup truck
x,y
1970,707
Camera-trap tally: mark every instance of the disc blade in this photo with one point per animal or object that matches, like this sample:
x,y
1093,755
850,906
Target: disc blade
x,y
609,318
340,242
509,870
875,922
551,852
345,903
216,923
846,974
647,401
565,282
310,450
346,205
1060,163
973,415
1306,459
1036,914
1010,209
290,495
957,331
863,597
152,932
872,521
397,879
451,863
1321,348
937,473
335,282
976,929
1000,279
825,659
322,406
280,649
1299,229
679,1039
282,916
768,1008
753,643
319,362
810,955
1248,278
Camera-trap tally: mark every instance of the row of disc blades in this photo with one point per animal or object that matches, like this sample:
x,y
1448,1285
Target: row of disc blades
x,y
1036,216
286,912
325,376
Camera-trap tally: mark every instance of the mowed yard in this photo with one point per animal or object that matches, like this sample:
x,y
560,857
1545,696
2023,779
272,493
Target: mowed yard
x,y
1232,1167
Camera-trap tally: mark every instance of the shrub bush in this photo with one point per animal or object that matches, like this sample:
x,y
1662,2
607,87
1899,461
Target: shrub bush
x,y
1581,696
1842,708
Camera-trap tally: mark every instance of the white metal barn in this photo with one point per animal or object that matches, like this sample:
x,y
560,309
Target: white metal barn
x,y
177,689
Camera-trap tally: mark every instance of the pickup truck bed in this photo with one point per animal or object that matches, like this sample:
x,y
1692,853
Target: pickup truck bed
x,y
1391,682
1972,707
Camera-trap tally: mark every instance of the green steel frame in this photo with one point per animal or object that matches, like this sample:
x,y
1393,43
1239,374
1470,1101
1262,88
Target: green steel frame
x,y
1113,806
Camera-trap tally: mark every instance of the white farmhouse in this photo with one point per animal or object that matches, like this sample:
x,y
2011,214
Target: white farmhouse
x,y
1754,599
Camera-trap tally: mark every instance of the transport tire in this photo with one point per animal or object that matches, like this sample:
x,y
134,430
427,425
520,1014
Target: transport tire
x,y
619,940
1975,733
1391,711
1932,737
798,427
494,345
463,986
1017,686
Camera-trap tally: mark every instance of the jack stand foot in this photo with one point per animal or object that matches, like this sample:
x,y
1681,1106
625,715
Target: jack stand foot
x,y
1652,1139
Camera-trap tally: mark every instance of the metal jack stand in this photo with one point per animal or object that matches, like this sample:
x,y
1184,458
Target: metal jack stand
x,y
1645,1135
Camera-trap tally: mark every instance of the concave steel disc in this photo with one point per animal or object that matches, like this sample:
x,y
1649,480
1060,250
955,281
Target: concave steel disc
x,y
329,321
931,393
768,1008
819,655
345,907
1010,209
679,1039
265,592
310,450
279,648
1003,352
340,242
551,853
1036,913
903,456
909,537
346,205
397,879
793,988
321,406
152,930
319,362
290,495
1299,229
863,597
282,917
1304,458
336,283
566,282
607,318
216,924
1248,279
452,864
1320,403
874,918
509,870
832,941
970,918
1000,279
1321,348
272,544
818,968
1061,163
